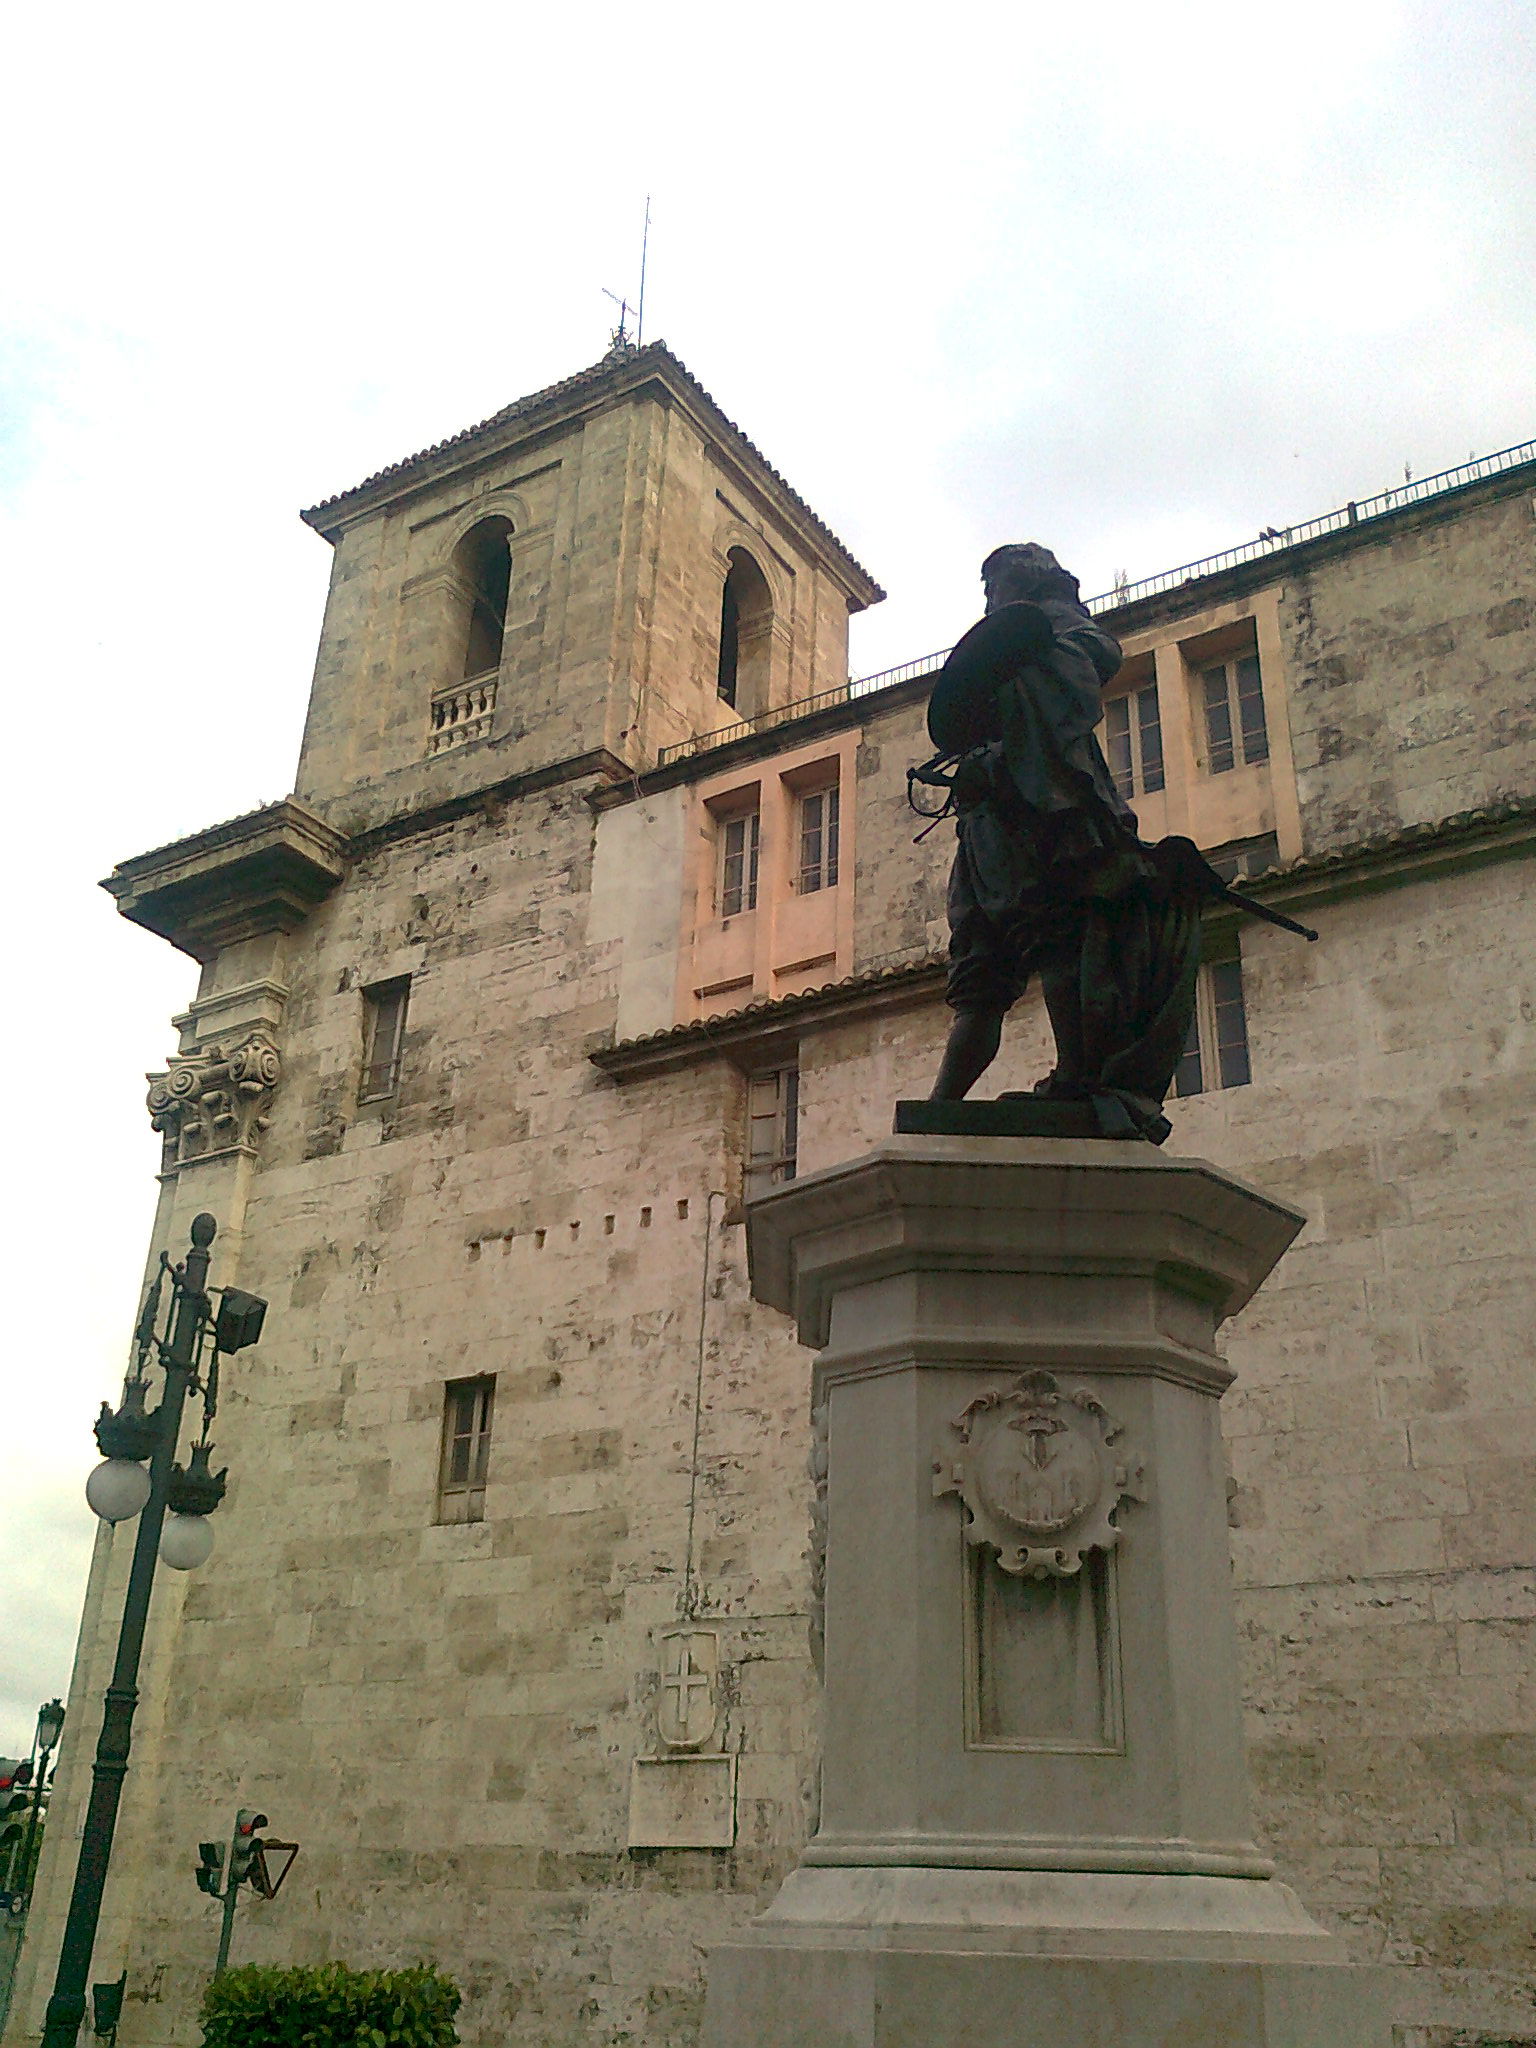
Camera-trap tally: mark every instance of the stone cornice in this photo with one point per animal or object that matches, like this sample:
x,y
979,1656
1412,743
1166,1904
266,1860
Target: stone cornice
x,y
264,872
598,763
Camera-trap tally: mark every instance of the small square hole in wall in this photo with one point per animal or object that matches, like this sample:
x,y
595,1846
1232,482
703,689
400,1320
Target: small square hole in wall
x,y
682,1210
538,1240
645,1219
607,1226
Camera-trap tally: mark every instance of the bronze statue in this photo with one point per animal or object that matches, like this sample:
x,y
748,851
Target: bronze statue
x,y
1050,875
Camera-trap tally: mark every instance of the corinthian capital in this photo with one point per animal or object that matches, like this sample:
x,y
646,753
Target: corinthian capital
x,y
215,1101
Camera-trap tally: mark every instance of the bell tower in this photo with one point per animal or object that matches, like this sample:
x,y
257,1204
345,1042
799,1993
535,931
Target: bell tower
x,y
599,571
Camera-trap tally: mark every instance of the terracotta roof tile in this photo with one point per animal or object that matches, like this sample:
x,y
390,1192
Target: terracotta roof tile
x,y
613,367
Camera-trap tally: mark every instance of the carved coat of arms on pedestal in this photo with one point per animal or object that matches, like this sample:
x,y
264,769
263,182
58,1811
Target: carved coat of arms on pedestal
x,y
1041,1467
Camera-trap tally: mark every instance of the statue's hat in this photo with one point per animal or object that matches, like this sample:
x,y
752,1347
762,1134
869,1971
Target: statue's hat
x,y
961,711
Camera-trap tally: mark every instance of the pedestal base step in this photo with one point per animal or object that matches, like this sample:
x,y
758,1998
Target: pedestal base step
x,y
1025,1959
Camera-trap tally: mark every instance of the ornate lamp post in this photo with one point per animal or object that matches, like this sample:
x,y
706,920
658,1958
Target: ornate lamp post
x,y
50,1725
173,1503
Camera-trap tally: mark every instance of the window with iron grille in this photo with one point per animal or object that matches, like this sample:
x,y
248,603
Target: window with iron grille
x,y
1216,1050
818,841
1133,741
384,1007
773,1121
739,838
466,1449
1235,732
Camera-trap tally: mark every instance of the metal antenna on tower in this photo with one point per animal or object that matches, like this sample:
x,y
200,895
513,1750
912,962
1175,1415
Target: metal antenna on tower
x,y
619,342
645,243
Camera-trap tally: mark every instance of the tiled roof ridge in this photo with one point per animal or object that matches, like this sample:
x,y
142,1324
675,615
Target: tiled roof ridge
x,y
1455,825
595,374
701,1027
1458,824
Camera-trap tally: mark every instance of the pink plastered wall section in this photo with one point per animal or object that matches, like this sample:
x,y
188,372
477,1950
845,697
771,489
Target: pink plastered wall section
x,y
788,941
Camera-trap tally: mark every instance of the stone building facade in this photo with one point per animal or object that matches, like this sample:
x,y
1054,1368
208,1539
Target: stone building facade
x,y
597,908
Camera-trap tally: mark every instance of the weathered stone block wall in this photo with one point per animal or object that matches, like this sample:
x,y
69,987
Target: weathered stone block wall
x,y
1412,663
445,1716
899,900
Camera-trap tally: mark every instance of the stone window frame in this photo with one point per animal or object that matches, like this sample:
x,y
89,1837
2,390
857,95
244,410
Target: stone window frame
x,y
1134,750
1234,724
818,828
465,1447
772,1126
386,1005
738,859
1216,1053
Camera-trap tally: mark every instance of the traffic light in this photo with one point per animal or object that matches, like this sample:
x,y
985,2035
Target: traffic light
x,y
245,1845
210,1861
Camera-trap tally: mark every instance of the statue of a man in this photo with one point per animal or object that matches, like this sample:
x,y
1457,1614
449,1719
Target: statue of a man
x,y
1050,876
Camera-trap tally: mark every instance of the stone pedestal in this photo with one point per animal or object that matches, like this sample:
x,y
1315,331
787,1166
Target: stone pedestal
x,y
1034,1802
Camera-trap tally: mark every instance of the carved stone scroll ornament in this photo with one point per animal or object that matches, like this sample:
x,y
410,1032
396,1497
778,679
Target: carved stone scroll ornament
x,y
1041,1468
215,1100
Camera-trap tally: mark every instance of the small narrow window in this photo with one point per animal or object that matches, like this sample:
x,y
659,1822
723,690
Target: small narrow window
x,y
1133,734
773,1128
466,1449
739,840
1235,731
1216,1051
730,643
384,1007
818,841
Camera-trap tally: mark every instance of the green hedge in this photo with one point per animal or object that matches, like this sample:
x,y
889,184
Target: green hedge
x,y
330,2006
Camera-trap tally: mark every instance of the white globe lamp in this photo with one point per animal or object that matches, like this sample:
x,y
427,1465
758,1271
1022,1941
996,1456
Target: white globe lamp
x,y
117,1489
185,1542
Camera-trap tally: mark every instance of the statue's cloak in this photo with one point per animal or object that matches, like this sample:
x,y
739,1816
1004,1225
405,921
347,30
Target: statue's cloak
x,y
1028,680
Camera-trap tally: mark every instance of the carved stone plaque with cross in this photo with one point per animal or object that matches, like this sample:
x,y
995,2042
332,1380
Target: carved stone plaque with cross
x,y
685,1797
688,1702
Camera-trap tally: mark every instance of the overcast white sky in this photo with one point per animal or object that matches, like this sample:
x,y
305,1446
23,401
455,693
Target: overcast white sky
x,y
1133,280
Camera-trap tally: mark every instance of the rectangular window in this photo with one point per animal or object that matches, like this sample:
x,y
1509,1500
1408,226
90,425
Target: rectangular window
x,y
1133,733
1235,731
466,1449
773,1128
1216,1051
383,1035
818,841
738,863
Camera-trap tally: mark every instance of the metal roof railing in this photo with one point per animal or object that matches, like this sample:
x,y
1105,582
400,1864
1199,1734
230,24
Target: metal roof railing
x,y
1355,513
1271,542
